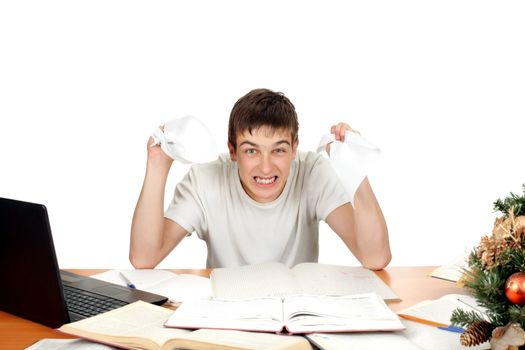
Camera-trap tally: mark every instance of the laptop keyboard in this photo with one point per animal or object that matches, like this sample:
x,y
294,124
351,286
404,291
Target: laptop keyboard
x,y
89,304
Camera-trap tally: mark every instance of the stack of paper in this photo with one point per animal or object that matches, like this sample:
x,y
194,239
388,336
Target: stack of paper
x,y
177,287
416,336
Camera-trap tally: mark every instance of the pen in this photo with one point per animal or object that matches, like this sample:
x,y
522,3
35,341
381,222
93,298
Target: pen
x,y
465,303
128,282
453,329
422,320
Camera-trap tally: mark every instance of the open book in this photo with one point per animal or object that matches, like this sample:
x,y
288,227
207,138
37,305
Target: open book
x,y
277,280
453,270
294,314
177,287
141,326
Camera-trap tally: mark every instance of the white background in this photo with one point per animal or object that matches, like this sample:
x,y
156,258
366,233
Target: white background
x,y
439,86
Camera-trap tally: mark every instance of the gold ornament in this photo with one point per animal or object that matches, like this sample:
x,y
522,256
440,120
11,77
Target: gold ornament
x,y
519,228
478,332
502,228
508,233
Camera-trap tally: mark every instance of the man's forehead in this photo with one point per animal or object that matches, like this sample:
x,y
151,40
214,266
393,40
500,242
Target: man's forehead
x,y
266,134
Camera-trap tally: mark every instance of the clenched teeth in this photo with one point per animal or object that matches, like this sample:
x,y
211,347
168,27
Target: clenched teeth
x,y
265,181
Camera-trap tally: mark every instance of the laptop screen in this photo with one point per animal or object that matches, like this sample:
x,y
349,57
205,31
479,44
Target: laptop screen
x,y
31,285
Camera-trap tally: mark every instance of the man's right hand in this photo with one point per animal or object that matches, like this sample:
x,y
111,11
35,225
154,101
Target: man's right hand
x,y
156,155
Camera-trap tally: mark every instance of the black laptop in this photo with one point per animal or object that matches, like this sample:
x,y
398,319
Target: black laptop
x,y
33,287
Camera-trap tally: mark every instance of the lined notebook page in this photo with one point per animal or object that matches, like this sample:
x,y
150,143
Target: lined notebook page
x,y
276,279
440,310
321,279
269,279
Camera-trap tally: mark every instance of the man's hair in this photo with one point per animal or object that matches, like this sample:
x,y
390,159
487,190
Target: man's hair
x,y
262,108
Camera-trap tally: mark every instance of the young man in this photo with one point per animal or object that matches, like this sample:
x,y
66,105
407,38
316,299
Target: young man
x,y
262,202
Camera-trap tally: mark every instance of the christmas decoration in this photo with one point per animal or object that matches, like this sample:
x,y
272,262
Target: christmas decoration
x,y
515,288
496,278
477,333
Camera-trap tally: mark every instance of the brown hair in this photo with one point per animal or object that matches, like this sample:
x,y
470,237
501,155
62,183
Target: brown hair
x,y
262,108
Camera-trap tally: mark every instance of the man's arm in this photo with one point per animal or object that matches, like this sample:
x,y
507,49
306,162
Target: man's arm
x,y
362,227
153,237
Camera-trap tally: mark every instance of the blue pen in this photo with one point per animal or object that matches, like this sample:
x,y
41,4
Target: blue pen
x,y
453,329
128,282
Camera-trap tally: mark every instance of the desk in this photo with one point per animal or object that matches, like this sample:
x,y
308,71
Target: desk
x,y
411,284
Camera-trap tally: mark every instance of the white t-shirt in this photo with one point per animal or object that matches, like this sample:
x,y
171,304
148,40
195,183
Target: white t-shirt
x,y
238,231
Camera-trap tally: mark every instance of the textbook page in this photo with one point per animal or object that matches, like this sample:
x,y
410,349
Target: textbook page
x,y
177,287
276,279
257,314
245,340
68,344
354,313
139,323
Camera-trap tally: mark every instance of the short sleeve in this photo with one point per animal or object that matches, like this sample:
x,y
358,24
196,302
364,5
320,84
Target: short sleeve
x,y
325,191
186,207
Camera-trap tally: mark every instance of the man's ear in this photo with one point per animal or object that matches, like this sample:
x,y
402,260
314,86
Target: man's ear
x,y
294,147
232,152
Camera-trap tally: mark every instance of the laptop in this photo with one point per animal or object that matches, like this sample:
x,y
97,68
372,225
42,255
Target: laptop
x,y
33,287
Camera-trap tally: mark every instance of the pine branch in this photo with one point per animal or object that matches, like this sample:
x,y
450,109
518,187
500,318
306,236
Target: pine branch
x,y
512,201
487,288
474,261
517,314
513,260
462,318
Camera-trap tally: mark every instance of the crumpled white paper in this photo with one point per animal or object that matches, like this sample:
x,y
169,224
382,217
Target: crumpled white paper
x,y
351,159
187,140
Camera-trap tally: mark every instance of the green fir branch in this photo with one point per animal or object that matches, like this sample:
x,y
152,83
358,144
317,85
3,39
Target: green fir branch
x,y
474,261
488,289
517,314
512,201
462,318
512,260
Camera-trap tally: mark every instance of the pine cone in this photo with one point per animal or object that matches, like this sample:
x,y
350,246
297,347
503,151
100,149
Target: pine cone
x,y
488,251
478,332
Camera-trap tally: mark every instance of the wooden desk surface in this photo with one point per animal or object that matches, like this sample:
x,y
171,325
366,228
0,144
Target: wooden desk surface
x,y
411,284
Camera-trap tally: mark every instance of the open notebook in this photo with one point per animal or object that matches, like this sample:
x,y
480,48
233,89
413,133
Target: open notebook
x,y
293,314
277,280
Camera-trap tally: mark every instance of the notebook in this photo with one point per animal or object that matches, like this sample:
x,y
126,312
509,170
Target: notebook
x,y
32,285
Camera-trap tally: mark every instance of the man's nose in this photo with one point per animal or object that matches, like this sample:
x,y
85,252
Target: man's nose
x,y
266,164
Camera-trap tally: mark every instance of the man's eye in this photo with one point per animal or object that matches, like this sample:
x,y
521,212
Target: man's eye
x,y
250,151
280,150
